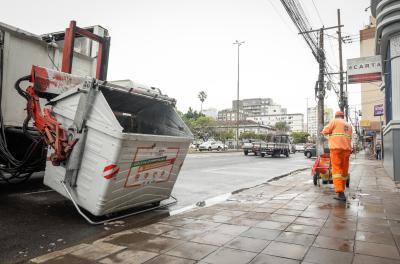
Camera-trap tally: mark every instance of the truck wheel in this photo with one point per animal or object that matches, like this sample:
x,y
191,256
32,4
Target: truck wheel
x,y
262,155
246,152
315,178
219,148
209,149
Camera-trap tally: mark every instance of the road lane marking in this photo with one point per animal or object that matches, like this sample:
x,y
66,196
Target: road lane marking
x,y
45,191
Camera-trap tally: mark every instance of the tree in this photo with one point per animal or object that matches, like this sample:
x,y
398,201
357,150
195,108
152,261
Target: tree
x,y
248,135
202,96
300,137
224,135
282,127
203,127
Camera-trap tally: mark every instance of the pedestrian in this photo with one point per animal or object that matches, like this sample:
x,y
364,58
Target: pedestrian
x,y
378,151
339,133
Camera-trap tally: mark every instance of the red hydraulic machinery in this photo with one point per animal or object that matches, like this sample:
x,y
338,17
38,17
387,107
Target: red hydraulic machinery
x,y
54,135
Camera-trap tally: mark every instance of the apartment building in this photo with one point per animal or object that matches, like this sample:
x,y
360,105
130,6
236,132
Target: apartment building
x,y
211,112
259,106
294,121
230,115
312,119
244,126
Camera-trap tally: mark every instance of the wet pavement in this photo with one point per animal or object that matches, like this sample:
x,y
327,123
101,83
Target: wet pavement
x,y
35,220
227,172
284,221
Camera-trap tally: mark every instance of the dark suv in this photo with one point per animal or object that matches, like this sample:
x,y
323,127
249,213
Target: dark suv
x,y
310,151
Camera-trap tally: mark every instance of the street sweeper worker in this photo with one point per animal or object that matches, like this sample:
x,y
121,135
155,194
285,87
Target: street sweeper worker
x,y
339,133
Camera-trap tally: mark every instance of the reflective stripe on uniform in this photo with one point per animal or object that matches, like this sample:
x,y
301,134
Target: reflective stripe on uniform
x,y
340,177
340,135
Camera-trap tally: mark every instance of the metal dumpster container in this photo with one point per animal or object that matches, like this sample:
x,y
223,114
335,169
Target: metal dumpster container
x,y
135,147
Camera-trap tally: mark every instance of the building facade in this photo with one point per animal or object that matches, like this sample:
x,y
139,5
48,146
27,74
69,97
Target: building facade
x,y
262,111
312,119
211,112
387,39
244,126
294,121
371,93
230,115
259,106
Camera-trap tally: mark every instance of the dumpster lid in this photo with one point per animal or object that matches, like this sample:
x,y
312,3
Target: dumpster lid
x,y
128,100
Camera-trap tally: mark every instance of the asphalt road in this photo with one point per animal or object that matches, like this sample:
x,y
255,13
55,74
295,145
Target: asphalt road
x,y
35,220
206,175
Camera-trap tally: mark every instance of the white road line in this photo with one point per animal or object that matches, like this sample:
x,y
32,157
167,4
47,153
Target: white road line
x,y
45,191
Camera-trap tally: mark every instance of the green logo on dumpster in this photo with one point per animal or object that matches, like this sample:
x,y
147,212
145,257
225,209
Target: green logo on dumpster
x,y
147,161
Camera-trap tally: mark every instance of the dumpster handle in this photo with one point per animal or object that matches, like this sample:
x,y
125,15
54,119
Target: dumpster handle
x,y
114,218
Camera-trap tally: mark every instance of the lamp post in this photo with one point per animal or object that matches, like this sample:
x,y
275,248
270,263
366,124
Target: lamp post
x,y
238,43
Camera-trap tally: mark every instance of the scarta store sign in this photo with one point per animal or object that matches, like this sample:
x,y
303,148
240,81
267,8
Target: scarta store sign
x,y
364,70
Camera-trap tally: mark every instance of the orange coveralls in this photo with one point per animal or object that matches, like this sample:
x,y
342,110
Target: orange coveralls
x,y
339,133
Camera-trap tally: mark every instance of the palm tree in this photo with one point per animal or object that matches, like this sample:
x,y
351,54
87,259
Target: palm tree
x,y
202,96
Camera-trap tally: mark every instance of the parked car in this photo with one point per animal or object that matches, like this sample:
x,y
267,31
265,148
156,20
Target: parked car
x,y
310,151
212,145
299,147
192,146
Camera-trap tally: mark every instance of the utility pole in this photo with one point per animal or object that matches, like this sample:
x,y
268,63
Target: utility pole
x,y
238,43
341,94
321,92
346,104
320,87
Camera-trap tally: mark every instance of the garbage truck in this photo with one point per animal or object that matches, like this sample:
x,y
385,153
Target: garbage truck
x,y
107,146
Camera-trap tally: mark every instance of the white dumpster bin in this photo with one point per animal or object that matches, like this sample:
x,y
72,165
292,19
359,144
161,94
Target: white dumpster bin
x,y
136,144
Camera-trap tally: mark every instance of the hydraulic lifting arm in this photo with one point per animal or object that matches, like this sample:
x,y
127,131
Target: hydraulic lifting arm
x,y
48,84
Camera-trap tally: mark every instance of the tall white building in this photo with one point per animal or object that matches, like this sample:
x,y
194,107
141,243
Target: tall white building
x,y
230,115
259,106
211,112
294,121
312,119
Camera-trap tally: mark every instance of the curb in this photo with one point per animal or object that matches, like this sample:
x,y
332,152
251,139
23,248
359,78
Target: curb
x,y
214,200
272,179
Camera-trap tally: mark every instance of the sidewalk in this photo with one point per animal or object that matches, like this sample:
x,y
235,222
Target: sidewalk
x,y
286,221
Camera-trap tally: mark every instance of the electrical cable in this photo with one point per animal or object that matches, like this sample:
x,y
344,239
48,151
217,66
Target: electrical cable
x,y
12,169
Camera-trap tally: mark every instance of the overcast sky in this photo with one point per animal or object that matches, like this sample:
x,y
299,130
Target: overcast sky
x,y
185,46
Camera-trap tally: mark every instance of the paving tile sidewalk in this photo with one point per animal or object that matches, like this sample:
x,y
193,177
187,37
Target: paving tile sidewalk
x,y
286,221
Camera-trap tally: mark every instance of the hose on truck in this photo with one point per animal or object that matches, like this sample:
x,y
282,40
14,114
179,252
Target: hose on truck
x,y
12,169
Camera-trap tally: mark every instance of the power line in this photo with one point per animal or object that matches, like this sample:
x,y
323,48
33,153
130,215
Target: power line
x,y
280,16
316,9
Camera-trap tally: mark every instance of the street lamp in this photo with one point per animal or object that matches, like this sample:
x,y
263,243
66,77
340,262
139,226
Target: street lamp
x,y
238,43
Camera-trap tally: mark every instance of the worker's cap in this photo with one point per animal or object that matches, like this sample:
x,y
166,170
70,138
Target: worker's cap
x,y
339,113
